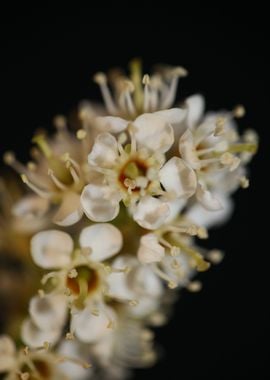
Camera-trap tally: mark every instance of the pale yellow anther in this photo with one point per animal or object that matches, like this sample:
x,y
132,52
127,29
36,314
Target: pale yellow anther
x,y
60,121
128,85
95,312
174,251
239,111
26,350
24,178
146,79
226,158
9,158
244,182
147,335
215,256
25,376
172,285
100,78
69,336
46,346
72,273
202,233
157,319
31,166
220,123
192,230
194,286
175,265
133,303
81,134
110,324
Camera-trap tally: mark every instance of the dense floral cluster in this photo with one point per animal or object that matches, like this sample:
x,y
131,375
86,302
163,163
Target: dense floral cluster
x,y
113,223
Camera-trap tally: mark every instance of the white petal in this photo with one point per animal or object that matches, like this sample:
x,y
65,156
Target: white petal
x,y
178,178
147,282
118,282
7,353
113,124
34,337
104,239
145,307
73,349
29,213
31,206
172,116
195,105
150,213
150,251
187,150
48,312
104,152
98,205
207,199
70,210
202,217
175,206
153,132
88,327
51,249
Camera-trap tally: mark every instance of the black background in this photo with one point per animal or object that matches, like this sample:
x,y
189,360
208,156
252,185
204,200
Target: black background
x,y
222,332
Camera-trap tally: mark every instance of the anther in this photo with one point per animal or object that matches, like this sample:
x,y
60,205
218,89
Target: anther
x,y
244,182
194,286
239,111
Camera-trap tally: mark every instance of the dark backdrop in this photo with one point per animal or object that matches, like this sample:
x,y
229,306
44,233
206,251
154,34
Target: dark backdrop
x,y
222,332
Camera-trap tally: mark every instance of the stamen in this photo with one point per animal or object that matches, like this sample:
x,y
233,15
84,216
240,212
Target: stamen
x,y
171,284
56,181
9,159
42,193
169,94
101,79
201,264
146,96
81,363
228,159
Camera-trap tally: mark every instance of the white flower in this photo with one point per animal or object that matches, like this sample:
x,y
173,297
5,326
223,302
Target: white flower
x,y
213,148
57,174
82,280
140,290
170,252
135,174
35,337
39,364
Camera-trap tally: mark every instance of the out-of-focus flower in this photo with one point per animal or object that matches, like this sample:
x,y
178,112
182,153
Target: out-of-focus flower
x,y
40,364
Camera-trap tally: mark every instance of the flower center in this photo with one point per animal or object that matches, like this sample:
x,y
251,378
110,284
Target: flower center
x,y
85,282
130,172
39,370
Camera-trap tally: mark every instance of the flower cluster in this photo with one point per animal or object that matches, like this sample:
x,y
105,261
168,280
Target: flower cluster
x,y
112,222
